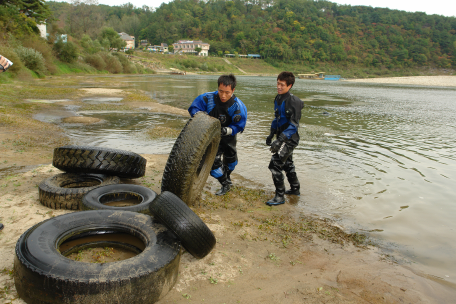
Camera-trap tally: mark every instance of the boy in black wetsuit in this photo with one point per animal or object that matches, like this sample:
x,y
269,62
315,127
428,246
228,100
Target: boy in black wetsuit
x,y
232,113
287,109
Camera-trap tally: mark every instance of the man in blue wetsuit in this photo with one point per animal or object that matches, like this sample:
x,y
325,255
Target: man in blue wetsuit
x,y
287,109
232,113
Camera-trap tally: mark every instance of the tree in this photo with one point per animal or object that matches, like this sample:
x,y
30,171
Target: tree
x,y
112,37
198,50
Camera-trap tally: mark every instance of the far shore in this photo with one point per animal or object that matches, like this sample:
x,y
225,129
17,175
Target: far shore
x,y
440,81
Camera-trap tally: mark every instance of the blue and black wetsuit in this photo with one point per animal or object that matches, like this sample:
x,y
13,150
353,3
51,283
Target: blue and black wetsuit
x,y
287,109
232,114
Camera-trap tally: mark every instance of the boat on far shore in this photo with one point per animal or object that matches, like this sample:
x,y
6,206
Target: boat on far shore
x,y
319,76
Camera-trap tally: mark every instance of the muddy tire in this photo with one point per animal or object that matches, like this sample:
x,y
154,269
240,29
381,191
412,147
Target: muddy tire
x,y
194,234
43,275
191,158
120,197
65,190
82,159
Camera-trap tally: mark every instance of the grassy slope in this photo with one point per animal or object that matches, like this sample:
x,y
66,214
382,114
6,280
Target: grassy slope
x,y
259,66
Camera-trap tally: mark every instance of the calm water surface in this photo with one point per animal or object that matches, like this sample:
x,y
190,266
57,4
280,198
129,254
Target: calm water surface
x,y
382,161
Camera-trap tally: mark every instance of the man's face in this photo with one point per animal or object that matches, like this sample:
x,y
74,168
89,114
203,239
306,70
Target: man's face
x,y
282,87
225,92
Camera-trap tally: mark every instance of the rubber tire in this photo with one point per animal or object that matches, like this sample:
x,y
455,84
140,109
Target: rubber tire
x,y
194,234
43,275
53,194
85,159
192,157
97,198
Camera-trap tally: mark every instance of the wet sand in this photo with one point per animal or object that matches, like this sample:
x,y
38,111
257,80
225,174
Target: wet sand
x,y
441,81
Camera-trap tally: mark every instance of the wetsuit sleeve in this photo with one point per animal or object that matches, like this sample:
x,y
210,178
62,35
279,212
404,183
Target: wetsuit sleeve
x,y
294,107
239,126
199,104
274,121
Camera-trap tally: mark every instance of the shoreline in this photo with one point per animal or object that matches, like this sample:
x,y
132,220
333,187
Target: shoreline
x,y
263,254
440,81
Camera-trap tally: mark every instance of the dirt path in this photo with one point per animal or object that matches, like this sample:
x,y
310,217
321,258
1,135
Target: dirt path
x,y
263,254
229,62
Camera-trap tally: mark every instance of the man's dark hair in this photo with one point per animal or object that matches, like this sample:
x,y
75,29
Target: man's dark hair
x,y
288,77
227,80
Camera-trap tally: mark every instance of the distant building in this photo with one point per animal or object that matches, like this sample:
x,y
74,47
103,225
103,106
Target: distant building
x,y
144,43
130,40
162,48
189,46
42,28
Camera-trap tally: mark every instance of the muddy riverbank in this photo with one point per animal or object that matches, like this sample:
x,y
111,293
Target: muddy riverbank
x,y
263,254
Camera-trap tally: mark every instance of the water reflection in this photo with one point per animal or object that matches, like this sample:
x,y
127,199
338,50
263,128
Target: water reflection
x,y
383,159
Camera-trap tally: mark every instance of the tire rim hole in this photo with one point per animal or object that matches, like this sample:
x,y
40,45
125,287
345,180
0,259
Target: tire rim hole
x,y
121,199
88,182
104,248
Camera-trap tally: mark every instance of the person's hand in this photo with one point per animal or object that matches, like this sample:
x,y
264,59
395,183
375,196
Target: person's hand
x,y
269,139
275,146
226,131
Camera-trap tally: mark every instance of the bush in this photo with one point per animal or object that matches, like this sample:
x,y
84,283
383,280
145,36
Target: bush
x,y
130,69
96,61
66,52
40,45
140,68
113,64
32,59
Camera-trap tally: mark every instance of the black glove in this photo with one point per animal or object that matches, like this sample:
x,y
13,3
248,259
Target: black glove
x,y
226,131
270,137
275,146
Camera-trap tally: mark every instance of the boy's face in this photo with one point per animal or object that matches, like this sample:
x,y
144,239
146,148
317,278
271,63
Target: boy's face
x,y
225,92
282,87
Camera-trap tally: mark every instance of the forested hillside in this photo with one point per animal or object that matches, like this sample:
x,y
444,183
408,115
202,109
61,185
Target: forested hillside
x,y
288,30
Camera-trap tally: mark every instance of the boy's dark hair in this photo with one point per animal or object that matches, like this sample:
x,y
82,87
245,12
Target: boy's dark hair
x,y
288,77
227,80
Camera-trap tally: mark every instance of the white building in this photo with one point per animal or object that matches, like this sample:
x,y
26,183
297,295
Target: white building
x,y
42,28
162,48
130,40
189,46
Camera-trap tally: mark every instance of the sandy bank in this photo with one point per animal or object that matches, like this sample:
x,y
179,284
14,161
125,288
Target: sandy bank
x,y
440,81
263,254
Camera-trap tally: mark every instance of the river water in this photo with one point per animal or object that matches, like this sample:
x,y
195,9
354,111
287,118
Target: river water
x,y
380,159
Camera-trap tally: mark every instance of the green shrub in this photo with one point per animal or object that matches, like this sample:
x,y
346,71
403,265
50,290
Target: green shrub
x,y
40,45
140,68
96,61
66,52
113,64
32,59
130,69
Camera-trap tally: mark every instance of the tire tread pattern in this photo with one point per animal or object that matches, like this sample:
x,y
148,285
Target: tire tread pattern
x,y
53,196
194,234
87,159
179,176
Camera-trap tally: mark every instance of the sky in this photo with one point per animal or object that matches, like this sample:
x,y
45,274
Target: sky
x,y
440,7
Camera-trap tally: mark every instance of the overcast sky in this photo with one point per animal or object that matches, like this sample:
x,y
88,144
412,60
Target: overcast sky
x,y
440,7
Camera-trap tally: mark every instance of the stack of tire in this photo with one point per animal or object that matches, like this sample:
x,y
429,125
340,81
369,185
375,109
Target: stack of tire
x,y
155,228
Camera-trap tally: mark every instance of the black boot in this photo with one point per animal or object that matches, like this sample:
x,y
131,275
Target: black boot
x,y
226,185
1,226
279,197
228,175
294,184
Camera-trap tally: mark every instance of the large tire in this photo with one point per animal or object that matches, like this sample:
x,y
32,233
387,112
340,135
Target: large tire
x,y
97,199
191,158
65,190
82,159
43,275
194,234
